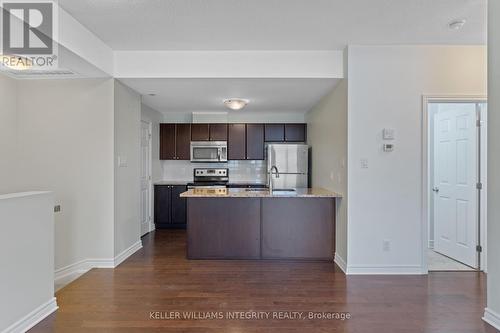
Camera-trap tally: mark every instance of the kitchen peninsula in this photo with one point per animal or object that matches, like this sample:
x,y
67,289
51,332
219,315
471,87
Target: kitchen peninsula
x,y
231,223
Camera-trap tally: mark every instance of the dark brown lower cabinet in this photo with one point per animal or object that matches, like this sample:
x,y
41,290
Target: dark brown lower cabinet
x,y
261,228
226,228
298,228
170,209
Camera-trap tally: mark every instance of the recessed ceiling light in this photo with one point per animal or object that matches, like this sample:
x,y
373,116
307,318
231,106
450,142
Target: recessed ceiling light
x,y
16,62
236,103
457,24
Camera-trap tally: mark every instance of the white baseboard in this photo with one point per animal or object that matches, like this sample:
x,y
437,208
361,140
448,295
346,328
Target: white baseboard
x,y
492,318
65,275
33,318
127,253
384,270
340,262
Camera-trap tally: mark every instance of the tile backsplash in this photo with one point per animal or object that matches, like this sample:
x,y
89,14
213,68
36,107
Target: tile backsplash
x,y
239,171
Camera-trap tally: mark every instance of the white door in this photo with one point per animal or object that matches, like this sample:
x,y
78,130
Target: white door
x,y
455,179
145,177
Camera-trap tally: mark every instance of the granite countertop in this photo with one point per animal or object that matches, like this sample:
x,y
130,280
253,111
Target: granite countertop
x,y
172,182
247,183
185,182
264,193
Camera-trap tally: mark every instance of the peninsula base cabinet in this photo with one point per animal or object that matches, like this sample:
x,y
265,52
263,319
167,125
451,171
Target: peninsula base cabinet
x,y
275,228
170,209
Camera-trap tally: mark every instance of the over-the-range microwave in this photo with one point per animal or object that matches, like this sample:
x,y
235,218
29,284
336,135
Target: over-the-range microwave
x,y
209,151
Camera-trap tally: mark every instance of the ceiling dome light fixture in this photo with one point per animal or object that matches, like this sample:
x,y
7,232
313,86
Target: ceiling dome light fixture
x,y
236,103
457,24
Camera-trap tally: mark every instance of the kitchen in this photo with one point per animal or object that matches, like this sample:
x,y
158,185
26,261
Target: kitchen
x,y
298,196
249,195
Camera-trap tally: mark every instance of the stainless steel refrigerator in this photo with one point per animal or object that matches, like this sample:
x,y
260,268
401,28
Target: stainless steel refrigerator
x,y
292,161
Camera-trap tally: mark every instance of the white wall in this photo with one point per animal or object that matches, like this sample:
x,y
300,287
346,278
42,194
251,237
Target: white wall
x,y
155,118
492,313
241,117
127,116
8,134
327,135
66,146
27,259
386,84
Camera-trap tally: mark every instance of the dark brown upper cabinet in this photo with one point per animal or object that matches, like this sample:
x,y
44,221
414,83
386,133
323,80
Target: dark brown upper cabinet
x,y
255,142
167,141
244,141
236,143
218,132
183,141
274,132
295,132
175,141
200,132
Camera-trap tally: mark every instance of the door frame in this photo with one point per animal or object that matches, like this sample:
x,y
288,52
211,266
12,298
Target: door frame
x,y
151,225
426,172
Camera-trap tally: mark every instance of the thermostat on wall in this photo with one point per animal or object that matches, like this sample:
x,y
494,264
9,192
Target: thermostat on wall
x,y
388,147
388,134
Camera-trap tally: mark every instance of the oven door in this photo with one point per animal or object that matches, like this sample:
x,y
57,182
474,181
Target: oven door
x,y
208,152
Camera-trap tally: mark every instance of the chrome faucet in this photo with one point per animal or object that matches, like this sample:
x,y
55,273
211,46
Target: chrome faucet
x,y
276,172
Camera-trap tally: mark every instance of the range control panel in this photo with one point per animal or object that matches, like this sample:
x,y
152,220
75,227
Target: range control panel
x,y
211,172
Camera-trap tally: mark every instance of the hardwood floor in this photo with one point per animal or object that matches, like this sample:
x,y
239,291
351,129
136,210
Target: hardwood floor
x,y
159,278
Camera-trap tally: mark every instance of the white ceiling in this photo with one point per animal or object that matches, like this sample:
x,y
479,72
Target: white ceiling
x,y
277,24
265,95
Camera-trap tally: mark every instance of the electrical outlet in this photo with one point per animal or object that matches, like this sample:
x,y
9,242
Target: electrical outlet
x,y
57,208
386,245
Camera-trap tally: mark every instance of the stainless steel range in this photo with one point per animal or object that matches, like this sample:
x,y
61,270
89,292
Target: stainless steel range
x,y
210,178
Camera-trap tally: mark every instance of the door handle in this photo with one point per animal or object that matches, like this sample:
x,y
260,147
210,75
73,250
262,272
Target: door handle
x,y
435,189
